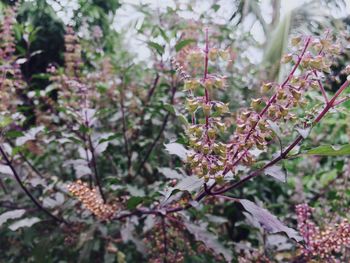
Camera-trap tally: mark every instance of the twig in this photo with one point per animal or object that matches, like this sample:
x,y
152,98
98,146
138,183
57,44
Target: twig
x,y
271,100
165,242
18,179
126,142
254,174
94,165
164,124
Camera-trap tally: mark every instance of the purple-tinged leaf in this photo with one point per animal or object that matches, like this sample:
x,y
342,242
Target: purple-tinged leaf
x,y
209,239
5,169
26,222
11,215
268,221
304,132
177,149
276,172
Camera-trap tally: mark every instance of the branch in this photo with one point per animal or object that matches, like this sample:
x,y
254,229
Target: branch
x,y
32,198
271,100
256,173
164,124
208,191
321,86
126,142
164,239
94,165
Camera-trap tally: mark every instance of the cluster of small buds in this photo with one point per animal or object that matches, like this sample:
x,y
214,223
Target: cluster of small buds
x,y
72,55
92,200
253,257
177,243
72,232
208,158
322,244
7,45
253,127
74,92
10,73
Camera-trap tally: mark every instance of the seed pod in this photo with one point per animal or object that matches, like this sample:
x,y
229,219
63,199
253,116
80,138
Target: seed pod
x,y
195,56
272,111
222,108
317,63
206,149
245,115
283,111
213,54
192,105
240,128
266,87
208,84
206,109
295,40
253,120
211,133
221,126
219,83
263,126
296,94
219,179
287,58
281,94
305,62
256,103
224,54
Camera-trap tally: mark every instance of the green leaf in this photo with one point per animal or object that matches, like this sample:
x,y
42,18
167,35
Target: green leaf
x,y
183,43
5,121
330,150
134,201
157,47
